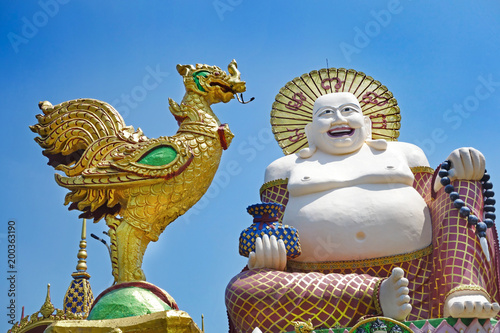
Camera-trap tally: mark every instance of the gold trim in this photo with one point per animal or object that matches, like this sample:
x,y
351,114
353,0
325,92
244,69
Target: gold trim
x,y
376,296
425,169
403,327
353,264
468,288
29,323
272,183
198,128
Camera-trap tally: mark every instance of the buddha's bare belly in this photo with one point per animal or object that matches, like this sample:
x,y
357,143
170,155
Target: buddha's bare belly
x,y
359,222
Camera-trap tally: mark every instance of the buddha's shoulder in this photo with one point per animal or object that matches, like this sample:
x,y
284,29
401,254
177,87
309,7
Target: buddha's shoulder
x,y
414,155
280,168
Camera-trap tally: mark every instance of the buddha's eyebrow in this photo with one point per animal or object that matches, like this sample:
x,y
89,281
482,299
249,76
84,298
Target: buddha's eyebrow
x,y
348,104
337,108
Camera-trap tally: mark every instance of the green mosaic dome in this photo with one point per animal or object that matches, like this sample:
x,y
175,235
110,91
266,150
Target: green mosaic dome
x,y
127,302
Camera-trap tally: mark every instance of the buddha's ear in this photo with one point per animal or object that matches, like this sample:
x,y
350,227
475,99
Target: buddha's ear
x,y
378,144
368,126
308,152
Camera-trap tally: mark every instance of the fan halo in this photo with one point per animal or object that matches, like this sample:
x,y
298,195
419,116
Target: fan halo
x,y
293,105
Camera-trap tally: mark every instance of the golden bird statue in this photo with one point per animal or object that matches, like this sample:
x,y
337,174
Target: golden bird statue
x,y
138,185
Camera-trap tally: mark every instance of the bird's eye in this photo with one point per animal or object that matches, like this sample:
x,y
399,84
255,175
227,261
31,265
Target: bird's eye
x,y
216,73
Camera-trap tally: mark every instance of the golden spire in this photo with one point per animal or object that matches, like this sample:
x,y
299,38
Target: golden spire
x,y
81,268
79,296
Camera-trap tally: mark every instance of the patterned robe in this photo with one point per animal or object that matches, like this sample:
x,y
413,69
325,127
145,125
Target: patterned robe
x,y
340,293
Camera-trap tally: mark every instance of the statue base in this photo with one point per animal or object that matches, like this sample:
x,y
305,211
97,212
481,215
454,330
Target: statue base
x,y
172,321
438,325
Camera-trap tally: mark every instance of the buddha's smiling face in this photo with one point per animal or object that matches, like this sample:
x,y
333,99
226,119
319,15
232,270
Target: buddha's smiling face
x,y
338,125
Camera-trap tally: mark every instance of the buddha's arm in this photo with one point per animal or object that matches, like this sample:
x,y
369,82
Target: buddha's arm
x,y
423,182
275,187
419,165
275,191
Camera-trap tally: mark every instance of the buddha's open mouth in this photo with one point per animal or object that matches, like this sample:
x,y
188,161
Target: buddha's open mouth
x,y
341,131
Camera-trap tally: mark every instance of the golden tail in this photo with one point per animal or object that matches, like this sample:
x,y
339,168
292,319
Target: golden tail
x,y
68,129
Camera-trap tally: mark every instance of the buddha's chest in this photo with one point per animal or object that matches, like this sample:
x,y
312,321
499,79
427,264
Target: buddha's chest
x,y
329,172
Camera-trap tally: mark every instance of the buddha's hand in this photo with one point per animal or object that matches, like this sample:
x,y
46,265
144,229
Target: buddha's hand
x,y
269,253
466,164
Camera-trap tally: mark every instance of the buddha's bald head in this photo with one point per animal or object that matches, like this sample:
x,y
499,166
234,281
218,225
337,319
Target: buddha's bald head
x,y
338,125
336,100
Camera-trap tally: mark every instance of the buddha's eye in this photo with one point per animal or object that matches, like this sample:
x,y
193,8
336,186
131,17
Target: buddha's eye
x,y
347,109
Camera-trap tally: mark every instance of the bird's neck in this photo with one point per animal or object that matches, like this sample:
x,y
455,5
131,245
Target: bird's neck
x,y
200,108
200,122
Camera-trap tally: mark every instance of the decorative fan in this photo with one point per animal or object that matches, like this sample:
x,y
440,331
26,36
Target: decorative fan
x,y
293,106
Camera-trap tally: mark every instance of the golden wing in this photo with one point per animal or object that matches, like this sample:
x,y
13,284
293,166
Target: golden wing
x,y
94,191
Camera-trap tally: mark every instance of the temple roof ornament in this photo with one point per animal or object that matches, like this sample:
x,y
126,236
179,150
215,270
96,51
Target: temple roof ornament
x,y
79,296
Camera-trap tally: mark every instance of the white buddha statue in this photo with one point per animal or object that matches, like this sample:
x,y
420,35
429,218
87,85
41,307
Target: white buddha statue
x,y
372,241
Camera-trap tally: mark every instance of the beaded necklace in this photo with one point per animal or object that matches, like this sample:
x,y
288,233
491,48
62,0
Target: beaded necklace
x,y
466,212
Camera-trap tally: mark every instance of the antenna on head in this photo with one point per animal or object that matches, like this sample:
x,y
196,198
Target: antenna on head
x,y
327,63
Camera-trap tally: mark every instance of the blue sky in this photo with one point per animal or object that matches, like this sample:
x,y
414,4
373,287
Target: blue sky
x,y
440,59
